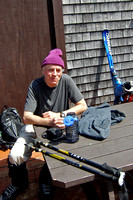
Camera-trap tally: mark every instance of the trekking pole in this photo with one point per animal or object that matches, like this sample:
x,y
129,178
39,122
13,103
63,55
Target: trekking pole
x,y
104,167
80,166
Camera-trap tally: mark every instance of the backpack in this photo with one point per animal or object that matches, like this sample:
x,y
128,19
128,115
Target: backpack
x,y
10,126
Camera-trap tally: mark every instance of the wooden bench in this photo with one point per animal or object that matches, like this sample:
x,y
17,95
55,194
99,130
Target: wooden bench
x,y
34,165
116,150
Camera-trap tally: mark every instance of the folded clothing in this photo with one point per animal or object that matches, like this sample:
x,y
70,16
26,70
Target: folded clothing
x,y
95,122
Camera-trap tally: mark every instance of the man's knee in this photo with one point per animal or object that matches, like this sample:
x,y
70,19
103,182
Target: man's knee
x,y
16,155
20,151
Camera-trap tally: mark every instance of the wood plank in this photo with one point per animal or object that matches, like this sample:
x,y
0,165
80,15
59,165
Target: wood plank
x,y
110,190
126,107
114,134
25,41
113,157
116,139
96,151
66,176
116,150
59,28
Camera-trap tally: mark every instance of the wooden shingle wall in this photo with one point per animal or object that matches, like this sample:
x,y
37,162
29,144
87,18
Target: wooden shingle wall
x,y
84,21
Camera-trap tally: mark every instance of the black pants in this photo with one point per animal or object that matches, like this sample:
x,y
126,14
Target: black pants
x,y
18,175
19,178
45,184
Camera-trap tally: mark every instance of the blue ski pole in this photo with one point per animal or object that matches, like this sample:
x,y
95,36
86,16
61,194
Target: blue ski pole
x,y
120,89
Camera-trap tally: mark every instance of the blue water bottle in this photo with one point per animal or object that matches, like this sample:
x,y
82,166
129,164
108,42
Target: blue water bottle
x,y
71,123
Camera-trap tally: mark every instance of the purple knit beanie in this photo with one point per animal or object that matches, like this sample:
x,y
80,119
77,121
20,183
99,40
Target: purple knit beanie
x,y
54,58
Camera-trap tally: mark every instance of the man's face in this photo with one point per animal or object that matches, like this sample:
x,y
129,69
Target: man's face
x,y
52,74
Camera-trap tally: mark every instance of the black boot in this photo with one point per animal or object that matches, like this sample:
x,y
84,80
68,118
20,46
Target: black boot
x,y
45,184
19,178
10,193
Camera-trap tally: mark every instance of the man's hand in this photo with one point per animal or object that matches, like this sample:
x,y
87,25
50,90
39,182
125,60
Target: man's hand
x,y
58,122
54,119
50,115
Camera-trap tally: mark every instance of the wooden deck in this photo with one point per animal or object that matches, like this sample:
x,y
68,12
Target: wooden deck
x,y
116,150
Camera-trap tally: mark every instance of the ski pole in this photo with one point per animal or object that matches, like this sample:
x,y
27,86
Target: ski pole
x,y
104,167
117,83
120,88
77,165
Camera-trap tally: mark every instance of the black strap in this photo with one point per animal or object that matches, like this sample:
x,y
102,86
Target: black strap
x,y
111,170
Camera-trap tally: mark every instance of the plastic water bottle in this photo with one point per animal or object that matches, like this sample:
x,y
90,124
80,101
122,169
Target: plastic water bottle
x,y
71,123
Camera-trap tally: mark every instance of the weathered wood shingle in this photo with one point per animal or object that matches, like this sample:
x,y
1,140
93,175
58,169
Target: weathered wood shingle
x,y
84,21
